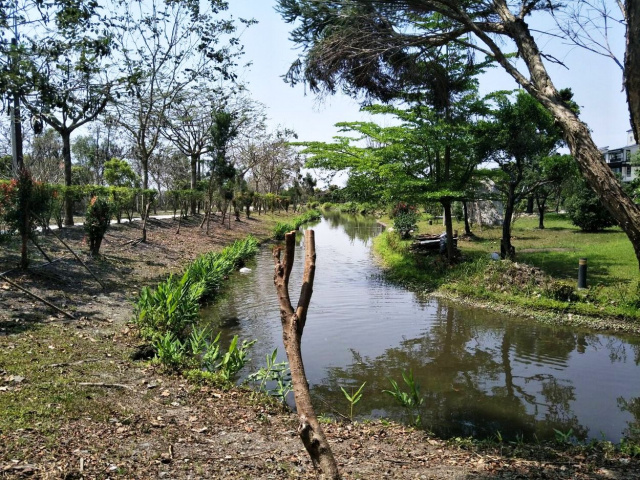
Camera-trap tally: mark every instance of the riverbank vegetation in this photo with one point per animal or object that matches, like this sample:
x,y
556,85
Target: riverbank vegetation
x,y
542,279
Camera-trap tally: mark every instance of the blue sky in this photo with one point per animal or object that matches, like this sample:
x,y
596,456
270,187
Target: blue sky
x,y
596,81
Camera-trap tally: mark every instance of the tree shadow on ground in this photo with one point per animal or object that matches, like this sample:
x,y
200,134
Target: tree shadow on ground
x,y
564,265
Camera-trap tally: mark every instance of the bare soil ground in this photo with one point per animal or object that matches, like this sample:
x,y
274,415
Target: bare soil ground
x,y
74,405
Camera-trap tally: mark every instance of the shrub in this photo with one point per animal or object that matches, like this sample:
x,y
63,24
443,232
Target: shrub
x,y
586,211
405,218
97,222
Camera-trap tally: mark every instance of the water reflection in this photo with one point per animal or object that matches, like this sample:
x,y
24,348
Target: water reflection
x,y
480,373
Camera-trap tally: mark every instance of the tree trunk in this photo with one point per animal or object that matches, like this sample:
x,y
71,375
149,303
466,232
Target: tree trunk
x,y
541,207
589,159
66,156
506,249
293,322
465,210
194,181
632,64
451,251
530,199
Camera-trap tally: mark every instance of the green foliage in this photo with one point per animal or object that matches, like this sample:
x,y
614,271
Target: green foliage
x,y
564,437
405,218
273,372
234,358
97,221
353,398
173,305
201,352
281,228
119,173
411,401
585,209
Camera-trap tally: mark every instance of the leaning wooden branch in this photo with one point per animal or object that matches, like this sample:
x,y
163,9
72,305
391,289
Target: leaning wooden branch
x,y
293,322
46,302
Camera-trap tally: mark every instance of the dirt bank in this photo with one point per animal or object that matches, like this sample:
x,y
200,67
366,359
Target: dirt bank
x,y
74,405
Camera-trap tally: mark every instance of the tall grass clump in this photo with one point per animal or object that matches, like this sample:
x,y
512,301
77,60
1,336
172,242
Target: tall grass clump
x,y
173,306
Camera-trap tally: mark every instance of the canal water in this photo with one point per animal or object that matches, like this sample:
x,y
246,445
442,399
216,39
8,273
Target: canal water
x,y
480,373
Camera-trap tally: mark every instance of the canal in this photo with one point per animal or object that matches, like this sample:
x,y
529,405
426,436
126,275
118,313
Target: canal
x,y
480,373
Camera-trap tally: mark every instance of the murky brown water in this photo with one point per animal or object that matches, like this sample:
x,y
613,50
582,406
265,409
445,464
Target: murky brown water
x,y
480,373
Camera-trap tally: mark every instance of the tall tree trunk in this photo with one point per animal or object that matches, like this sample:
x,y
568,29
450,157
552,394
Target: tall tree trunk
x,y
293,322
194,180
66,156
632,64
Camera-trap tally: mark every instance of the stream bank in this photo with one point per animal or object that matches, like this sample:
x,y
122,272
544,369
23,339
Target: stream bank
x,y
74,405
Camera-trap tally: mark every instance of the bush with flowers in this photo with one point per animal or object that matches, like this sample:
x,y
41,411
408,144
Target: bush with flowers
x,y
405,217
97,220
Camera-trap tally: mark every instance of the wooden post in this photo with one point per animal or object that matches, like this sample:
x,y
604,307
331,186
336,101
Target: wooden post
x,y
293,322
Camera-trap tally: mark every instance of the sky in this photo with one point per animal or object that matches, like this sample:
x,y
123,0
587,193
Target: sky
x,y
596,81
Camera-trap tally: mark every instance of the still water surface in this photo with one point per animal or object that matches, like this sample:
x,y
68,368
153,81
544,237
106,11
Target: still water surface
x,y
479,372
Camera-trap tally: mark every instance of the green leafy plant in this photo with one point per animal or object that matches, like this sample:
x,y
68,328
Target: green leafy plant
x,y
411,401
405,218
96,222
170,351
234,358
273,372
353,398
563,437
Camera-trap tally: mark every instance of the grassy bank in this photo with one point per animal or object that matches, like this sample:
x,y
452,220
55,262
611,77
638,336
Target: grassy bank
x,y
542,281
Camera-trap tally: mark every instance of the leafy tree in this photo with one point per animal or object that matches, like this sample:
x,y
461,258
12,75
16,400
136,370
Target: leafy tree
x,y
372,47
559,172
521,134
61,77
119,173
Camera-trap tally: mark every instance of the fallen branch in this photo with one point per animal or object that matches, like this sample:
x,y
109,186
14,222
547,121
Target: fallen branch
x,y
105,385
77,257
79,362
47,302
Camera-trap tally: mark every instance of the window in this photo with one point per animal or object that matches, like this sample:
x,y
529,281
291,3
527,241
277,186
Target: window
x,y
628,170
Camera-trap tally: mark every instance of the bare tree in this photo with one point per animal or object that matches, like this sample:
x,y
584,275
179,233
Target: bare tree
x,y
166,48
293,322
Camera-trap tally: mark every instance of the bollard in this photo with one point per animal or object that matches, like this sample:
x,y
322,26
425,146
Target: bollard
x,y
582,273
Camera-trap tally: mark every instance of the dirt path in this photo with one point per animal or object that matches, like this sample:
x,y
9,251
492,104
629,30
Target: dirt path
x,y
73,404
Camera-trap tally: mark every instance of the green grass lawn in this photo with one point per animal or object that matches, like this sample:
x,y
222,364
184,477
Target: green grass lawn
x,y
612,273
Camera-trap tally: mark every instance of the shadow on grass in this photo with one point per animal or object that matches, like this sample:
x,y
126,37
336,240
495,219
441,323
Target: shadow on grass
x,y
564,265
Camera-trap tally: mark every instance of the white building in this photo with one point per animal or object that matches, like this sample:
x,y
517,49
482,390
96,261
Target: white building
x,y
619,159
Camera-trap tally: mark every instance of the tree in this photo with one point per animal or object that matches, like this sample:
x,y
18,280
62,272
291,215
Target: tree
x,y
559,171
166,49
293,323
365,47
93,150
119,173
45,161
67,78
521,134
273,162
